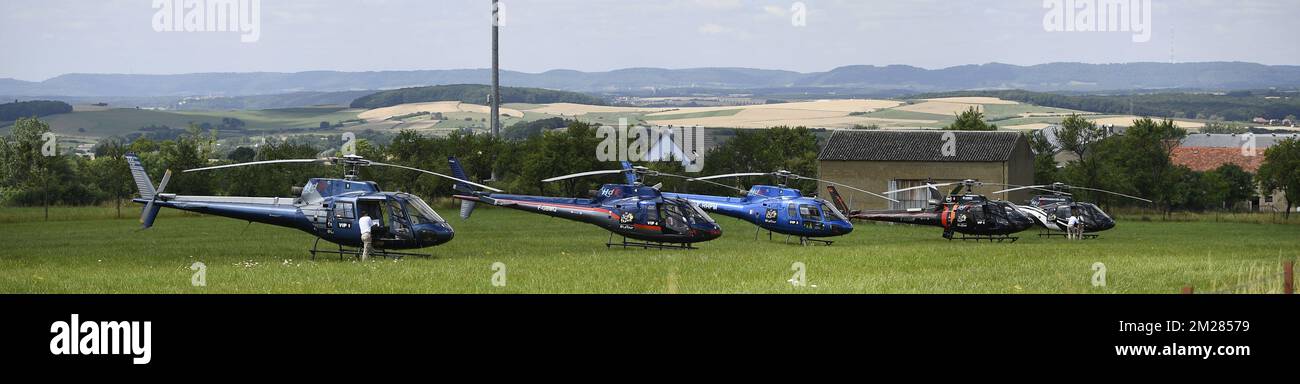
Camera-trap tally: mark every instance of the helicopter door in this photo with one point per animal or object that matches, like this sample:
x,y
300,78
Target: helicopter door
x,y
344,216
792,214
811,215
673,220
397,223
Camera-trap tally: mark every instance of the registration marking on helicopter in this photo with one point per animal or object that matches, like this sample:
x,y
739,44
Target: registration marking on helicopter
x,y
553,207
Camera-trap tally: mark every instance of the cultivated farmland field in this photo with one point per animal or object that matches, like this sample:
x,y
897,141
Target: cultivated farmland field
x,y
84,250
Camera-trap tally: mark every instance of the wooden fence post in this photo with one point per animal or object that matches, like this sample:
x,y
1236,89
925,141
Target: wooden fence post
x,y
1288,277
1187,290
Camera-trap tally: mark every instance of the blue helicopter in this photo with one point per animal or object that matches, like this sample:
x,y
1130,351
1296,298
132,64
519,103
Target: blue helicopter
x,y
778,208
325,208
632,210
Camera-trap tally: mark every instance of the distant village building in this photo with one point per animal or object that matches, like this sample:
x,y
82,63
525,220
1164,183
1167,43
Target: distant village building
x,y
85,150
882,160
1206,152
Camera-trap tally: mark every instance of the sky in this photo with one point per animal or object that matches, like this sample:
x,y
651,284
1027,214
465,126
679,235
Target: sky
x,y
40,39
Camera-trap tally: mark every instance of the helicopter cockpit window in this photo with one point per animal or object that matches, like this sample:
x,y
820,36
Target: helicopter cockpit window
x,y
835,212
808,212
673,219
313,191
420,212
343,211
697,214
1063,212
1085,212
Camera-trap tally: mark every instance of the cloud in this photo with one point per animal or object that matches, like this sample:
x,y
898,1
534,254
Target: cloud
x,y
713,29
718,4
774,10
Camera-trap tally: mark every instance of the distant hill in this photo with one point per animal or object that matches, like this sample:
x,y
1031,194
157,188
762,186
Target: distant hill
x,y
1043,77
39,108
473,94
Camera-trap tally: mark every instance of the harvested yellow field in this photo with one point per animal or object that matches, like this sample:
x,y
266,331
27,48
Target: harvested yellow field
x,y
1124,121
844,106
570,109
1028,127
974,100
432,107
820,113
768,117
940,107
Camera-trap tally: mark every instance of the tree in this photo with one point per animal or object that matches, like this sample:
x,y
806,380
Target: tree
x,y
971,120
27,169
1045,171
1239,185
242,155
110,174
1077,134
1281,170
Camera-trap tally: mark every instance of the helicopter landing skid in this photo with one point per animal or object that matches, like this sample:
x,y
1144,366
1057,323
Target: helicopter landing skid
x,y
1049,234
646,245
990,238
356,253
810,241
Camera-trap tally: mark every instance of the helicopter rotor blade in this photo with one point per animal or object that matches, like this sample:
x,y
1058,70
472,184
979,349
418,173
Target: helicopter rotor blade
x,y
746,174
437,174
847,186
927,185
1113,193
326,161
693,179
1037,187
584,174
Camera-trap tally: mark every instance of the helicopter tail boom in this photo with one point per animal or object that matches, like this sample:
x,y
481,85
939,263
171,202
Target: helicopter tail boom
x,y
459,172
147,191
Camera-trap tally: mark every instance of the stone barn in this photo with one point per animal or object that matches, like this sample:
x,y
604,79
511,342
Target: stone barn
x,y
883,160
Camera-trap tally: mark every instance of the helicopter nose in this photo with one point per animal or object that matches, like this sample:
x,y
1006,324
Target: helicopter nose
x,y
709,232
436,236
841,228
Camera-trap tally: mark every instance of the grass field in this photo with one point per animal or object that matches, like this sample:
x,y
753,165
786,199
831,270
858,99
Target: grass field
x,y
84,250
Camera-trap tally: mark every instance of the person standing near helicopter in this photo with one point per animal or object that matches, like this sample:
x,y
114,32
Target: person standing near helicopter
x,y
364,224
1073,227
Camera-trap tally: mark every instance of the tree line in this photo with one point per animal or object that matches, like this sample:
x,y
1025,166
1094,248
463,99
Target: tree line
x,y
30,179
473,94
39,108
1138,162
1233,106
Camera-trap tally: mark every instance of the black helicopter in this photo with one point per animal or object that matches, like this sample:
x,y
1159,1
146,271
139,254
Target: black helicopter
x,y
973,216
325,208
1053,212
629,210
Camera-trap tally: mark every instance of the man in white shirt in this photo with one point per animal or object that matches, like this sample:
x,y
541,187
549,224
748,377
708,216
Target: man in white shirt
x,y
364,224
1074,226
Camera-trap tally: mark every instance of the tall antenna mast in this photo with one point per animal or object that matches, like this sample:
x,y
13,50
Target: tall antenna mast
x,y
496,80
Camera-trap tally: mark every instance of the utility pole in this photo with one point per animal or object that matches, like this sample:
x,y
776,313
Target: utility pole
x,y
496,81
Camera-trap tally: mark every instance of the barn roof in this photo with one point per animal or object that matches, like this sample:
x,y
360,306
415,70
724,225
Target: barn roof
x,y
888,145
1203,159
1216,140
